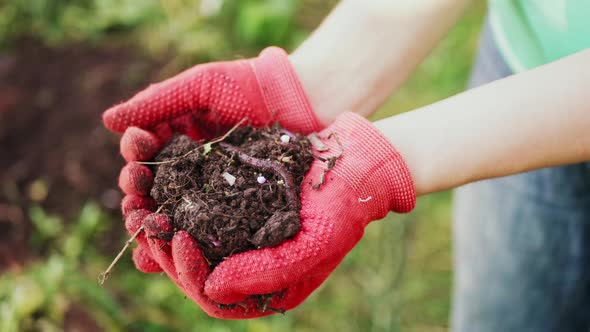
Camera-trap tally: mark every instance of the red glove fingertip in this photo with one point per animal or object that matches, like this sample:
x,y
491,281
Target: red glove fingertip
x,y
135,179
138,144
130,203
134,220
113,121
157,227
144,262
157,223
190,263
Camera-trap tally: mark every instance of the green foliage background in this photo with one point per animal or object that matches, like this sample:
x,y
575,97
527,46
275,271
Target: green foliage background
x,y
397,279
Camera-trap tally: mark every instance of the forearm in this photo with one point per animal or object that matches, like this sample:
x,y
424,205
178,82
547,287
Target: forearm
x,y
365,49
537,119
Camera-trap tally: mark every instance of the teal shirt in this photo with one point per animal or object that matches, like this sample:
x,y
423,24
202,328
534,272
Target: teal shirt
x,y
530,33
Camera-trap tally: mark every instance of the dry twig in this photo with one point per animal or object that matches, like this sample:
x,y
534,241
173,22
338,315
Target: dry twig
x,y
104,275
205,145
331,161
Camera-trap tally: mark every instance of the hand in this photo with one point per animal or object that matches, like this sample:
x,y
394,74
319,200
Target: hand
x,y
369,180
198,102
264,89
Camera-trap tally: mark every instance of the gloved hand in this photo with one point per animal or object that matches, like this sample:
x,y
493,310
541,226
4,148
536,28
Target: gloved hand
x,y
200,103
366,182
264,89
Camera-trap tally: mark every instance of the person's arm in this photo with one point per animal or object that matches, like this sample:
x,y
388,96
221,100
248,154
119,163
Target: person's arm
x,y
536,119
367,48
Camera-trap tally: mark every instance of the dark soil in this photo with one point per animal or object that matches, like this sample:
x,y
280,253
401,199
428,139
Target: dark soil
x,y
224,218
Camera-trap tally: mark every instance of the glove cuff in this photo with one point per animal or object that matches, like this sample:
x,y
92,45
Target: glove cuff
x,y
283,94
372,167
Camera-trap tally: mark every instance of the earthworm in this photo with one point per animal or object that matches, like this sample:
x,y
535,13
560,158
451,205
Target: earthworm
x,y
269,166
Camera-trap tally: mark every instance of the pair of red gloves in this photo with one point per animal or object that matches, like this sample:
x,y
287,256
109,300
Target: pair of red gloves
x,y
368,181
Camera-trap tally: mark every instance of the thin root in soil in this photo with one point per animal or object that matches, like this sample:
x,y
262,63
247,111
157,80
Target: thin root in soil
x,y
330,162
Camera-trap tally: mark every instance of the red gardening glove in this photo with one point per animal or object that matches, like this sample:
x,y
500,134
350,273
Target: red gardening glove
x,y
263,89
200,103
184,263
369,180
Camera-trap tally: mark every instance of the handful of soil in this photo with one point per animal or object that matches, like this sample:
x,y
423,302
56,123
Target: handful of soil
x,y
239,194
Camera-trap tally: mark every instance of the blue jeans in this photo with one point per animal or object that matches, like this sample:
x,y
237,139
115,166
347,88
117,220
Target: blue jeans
x,y
522,242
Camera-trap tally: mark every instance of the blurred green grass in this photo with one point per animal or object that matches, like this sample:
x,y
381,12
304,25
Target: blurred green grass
x,y
399,276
